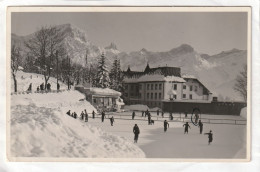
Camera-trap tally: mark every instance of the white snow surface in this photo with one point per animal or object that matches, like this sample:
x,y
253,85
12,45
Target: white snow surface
x,y
40,127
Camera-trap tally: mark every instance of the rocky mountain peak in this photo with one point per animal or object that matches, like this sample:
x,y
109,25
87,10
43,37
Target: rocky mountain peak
x,y
184,48
111,46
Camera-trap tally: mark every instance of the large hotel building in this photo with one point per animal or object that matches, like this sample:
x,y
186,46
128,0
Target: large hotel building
x,y
154,85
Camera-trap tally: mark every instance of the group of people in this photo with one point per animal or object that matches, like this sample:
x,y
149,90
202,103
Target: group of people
x,y
42,88
166,125
83,115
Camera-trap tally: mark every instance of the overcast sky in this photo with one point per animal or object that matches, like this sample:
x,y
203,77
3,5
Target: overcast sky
x,y
207,32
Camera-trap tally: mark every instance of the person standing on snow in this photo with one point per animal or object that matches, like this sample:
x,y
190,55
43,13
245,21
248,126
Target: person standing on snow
x,y
186,129
75,115
93,114
86,116
200,126
82,115
142,113
112,120
166,125
158,112
210,136
68,113
133,115
136,131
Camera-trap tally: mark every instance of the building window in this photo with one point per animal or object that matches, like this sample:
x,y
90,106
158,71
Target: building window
x,y
140,86
160,86
147,95
95,100
160,95
175,86
175,96
148,86
151,95
184,87
140,95
156,86
151,86
132,87
190,96
155,95
184,96
191,88
196,88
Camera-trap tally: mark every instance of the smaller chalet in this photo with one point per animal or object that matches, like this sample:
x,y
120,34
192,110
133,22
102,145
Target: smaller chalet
x,y
102,98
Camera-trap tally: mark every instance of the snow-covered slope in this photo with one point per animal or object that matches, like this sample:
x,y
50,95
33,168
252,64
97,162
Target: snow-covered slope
x,y
40,127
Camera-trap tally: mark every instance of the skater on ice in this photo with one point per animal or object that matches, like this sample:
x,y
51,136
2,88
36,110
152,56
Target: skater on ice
x,y
112,120
170,116
186,129
186,114
166,125
133,115
136,131
210,136
162,114
200,126
103,116
58,86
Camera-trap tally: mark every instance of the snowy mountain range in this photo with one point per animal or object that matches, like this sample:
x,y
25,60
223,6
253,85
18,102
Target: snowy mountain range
x,y
217,72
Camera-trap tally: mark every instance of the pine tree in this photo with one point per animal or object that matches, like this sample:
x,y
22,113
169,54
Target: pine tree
x,y
116,76
102,77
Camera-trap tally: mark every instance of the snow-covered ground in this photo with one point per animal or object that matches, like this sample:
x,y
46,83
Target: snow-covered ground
x,y
40,127
229,141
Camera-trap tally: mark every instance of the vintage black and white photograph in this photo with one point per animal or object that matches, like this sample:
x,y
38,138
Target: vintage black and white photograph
x,y
131,83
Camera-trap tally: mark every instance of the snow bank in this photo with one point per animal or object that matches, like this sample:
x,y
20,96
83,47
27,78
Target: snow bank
x,y
138,107
41,128
243,112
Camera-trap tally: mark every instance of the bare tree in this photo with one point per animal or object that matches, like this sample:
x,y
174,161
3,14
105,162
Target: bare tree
x,y
15,61
43,46
241,83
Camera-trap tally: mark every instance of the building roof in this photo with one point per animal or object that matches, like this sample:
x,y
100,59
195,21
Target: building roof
x,y
103,91
166,71
152,78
